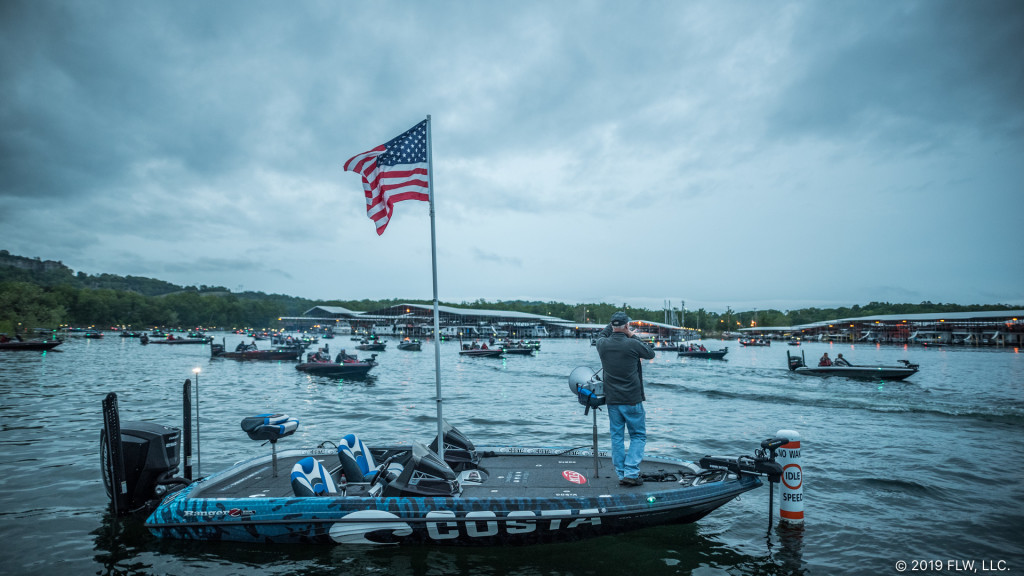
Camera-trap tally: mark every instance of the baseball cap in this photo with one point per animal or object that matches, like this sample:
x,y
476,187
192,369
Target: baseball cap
x,y
620,319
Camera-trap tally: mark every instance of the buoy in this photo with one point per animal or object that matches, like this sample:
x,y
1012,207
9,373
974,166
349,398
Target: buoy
x,y
791,489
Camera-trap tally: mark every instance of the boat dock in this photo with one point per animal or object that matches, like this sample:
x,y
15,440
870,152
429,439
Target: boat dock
x,y
988,328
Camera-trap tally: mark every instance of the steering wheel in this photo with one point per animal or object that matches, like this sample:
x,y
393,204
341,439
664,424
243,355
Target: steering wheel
x,y
381,471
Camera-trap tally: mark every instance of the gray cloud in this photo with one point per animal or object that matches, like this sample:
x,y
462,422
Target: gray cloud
x,y
723,153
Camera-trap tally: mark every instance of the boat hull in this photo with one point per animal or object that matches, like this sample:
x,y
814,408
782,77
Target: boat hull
x,y
261,355
859,372
495,353
712,354
353,370
533,495
30,345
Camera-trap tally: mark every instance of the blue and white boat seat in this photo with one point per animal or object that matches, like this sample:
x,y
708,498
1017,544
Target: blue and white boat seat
x,y
357,462
269,426
311,478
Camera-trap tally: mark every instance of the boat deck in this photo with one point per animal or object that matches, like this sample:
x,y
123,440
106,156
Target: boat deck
x,y
508,475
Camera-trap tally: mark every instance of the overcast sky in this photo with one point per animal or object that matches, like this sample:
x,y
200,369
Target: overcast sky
x,y
745,154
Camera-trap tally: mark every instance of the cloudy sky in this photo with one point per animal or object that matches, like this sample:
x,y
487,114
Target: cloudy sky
x,y
748,154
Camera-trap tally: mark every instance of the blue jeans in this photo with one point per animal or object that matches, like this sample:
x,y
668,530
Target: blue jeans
x,y
633,418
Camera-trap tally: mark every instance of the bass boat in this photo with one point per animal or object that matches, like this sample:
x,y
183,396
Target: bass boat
x,y
252,353
712,354
344,365
172,339
799,365
411,345
29,344
468,350
343,491
372,345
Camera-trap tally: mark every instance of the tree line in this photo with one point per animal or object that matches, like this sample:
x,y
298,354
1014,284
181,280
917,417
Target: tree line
x,y
36,296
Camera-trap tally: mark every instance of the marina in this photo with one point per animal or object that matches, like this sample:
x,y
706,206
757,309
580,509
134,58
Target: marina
x,y
893,469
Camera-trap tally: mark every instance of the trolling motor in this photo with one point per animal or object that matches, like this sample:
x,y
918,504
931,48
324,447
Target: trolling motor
x,y
762,464
589,390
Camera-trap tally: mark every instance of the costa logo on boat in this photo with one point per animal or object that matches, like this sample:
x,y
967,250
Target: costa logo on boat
x,y
574,477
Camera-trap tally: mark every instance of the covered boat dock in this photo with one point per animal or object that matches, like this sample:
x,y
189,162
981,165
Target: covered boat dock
x,y
986,328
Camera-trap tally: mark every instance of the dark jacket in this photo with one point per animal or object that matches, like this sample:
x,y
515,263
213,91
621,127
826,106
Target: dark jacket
x,y
620,358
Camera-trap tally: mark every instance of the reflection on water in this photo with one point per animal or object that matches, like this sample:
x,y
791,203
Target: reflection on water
x,y
888,466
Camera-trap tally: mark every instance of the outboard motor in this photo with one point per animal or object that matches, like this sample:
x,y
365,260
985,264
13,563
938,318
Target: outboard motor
x,y
216,349
459,452
795,361
424,474
142,463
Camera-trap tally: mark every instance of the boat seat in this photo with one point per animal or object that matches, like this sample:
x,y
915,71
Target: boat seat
x,y
311,478
357,462
269,426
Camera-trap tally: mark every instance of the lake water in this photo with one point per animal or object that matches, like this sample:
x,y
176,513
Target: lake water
x,y
920,471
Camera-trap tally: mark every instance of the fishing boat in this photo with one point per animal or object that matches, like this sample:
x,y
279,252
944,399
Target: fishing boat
x,y
412,345
172,339
753,342
372,345
692,352
519,348
477,350
343,366
798,364
18,344
344,491
667,347
250,352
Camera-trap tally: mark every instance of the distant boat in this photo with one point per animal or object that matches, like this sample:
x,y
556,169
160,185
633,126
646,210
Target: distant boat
x,y
251,353
798,365
476,350
375,346
8,344
712,354
758,342
412,345
172,339
668,347
343,365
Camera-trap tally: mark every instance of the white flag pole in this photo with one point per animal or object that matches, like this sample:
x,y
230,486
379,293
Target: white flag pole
x,y
437,318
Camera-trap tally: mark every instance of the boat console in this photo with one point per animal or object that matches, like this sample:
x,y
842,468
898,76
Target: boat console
x,y
459,452
423,474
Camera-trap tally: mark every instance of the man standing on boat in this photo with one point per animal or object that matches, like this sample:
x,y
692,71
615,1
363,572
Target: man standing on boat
x,y
621,352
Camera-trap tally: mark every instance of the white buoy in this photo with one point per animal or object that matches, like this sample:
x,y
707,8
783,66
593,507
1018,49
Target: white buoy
x,y
791,489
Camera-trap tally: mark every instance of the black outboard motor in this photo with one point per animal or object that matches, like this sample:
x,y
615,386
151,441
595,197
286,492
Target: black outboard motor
x,y
143,462
459,452
424,474
795,361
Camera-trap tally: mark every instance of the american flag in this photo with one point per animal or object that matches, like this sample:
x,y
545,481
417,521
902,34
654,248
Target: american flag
x,y
393,172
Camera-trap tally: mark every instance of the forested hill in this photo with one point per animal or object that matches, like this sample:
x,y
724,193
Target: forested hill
x,y
46,293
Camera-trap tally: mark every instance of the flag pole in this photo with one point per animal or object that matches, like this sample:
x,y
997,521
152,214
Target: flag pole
x,y
437,318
